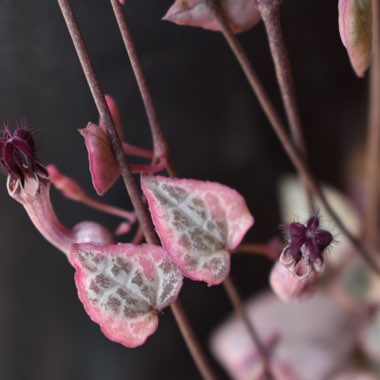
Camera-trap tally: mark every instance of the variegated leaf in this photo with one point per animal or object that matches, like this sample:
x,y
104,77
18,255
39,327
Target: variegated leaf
x,y
123,286
199,224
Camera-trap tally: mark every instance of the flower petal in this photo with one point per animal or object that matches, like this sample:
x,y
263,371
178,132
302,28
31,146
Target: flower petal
x,y
293,203
242,14
123,286
199,224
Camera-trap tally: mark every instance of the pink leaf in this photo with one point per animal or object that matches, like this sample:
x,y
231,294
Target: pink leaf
x,y
199,224
242,14
122,287
103,165
355,28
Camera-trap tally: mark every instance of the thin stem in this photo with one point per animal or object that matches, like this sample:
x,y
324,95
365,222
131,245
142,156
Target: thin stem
x,y
373,144
234,297
149,107
130,183
98,95
155,127
271,18
258,249
112,210
189,337
291,150
136,65
159,141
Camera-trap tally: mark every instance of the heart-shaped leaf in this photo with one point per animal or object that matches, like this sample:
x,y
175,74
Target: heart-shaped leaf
x,y
123,286
199,224
242,14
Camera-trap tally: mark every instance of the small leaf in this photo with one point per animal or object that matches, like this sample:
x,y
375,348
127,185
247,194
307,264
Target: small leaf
x,y
123,286
355,28
242,14
199,224
103,165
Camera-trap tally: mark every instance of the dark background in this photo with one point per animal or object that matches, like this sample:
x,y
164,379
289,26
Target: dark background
x,y
216,131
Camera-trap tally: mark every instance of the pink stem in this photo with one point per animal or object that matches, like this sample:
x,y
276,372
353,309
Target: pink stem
x,y
112,210
136,151
161,165
130,184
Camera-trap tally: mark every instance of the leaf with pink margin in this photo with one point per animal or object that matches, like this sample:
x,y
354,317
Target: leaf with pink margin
x,y
103,165
123,287
199,224
242,14
355,28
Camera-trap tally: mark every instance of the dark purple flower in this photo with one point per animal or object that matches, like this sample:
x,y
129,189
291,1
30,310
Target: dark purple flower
x,y
306,246
18,154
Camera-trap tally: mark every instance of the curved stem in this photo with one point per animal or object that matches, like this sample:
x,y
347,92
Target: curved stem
x,y
291,150
130,183
373,144
149,107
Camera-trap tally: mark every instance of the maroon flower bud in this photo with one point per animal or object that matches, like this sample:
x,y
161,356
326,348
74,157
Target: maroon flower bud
x,y
306,245
18,155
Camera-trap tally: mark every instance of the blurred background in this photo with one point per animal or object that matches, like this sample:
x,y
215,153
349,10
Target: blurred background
x,y
216,131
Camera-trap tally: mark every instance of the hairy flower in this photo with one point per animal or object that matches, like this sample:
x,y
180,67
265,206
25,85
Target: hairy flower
x,y
306,246
29,184
18,154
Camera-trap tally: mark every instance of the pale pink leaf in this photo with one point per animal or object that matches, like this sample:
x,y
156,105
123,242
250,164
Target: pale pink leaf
x,y
123,287
199,224
103,165
242,14
355,28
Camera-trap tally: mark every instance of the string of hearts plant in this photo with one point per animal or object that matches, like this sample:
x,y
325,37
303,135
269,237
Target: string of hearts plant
x,y
190,227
